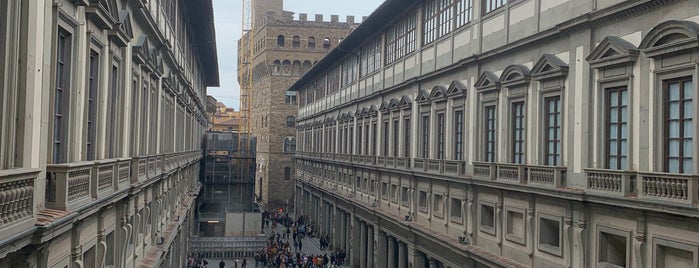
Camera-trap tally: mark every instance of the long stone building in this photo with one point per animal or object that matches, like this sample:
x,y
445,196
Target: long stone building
x,y
283,49
484,133
102,116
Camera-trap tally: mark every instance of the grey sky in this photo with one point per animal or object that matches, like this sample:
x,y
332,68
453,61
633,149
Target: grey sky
x,y
227,15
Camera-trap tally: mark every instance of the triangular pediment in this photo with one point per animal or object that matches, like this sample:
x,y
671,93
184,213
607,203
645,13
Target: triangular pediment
x,y
514,75
405,102
422,97
393,104
612,51
141,49
438,93
487,81
671,37
125,23
456,89
384,107
549,66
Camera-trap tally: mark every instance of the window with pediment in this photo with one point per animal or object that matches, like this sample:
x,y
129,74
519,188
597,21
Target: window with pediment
x,y
515,82
488,87
550,72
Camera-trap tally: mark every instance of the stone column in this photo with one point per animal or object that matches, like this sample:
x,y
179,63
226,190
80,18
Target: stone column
x,y
382,251
370,247
337,230
355,241
419,259
348,236
433,263
391,252
402,255
363,245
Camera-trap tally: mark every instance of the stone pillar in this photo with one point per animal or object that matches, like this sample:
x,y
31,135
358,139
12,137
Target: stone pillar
x,y
433,263
337,230
370,247
419,259
402,255
363,244
382,250
348,236
391,252
355,241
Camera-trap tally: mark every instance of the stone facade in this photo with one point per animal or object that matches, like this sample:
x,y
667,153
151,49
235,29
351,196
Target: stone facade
x,y
101,122
281,54
531,133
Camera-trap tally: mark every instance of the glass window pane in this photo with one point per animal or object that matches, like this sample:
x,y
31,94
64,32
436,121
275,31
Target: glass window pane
x,y
673,91
613,132
624,147
624,97
688,90
674,148
674,129
612,162
688,108
674,110
613,115
613,147
624,114
688,148
687,166
613,98
688,128
624,134
623,163
673,165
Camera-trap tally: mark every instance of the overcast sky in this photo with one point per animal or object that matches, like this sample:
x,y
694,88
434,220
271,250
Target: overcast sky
x,y
227,15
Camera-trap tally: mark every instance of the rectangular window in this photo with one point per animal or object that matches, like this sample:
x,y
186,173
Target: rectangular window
x,y
430,18
349,144
422,201
61,96
487,220
359,139
134,117
518,132
438,205
459,135
404,197
374,138
425,136
490,128
114,119
464,12
550,236
384,190
290,97
455,209
679,126
394,193
617,124
490,5
553,130
514,230
396,132
400,38
613,248
385,138
92,87
406,137
441,135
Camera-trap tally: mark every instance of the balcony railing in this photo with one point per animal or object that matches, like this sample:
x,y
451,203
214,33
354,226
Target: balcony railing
x,y
72,185
612,182
16,198
669,187
515,173
553,176
484,170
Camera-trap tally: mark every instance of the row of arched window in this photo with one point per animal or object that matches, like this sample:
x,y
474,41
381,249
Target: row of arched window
x,y
296,41
287,68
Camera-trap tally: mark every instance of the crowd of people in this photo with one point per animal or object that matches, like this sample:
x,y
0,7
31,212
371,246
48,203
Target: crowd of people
x,y
279,252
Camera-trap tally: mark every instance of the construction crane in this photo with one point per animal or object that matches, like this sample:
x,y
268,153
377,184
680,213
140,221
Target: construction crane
x,y
247,42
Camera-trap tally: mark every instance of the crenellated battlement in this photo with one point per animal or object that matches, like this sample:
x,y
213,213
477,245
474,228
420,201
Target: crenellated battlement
x,y
287,18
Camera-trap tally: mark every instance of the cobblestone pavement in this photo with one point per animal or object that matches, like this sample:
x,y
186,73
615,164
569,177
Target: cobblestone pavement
x,y
310,246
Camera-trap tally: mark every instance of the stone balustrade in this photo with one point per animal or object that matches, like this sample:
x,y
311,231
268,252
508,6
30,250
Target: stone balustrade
x,y
548,176
16,198
669,187
515,173
72,185
227,244
611,182
484,170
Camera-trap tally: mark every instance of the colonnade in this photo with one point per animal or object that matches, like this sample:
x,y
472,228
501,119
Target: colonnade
x,y
366,243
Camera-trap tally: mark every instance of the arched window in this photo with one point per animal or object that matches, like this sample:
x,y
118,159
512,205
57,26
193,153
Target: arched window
x,y
311,42
306,66
297,41
280,40
326,42
289,145
286,67
287,173
290,121
276,68
296,68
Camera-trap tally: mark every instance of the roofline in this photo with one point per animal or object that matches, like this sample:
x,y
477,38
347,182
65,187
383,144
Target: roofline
x,y
385,13
201,17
